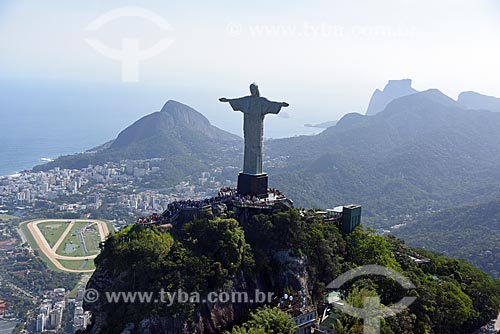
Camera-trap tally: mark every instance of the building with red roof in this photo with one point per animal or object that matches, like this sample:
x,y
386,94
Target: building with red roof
x,y
3,307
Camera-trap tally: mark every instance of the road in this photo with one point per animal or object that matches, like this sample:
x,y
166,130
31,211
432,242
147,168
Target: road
x,y
50,252
23,237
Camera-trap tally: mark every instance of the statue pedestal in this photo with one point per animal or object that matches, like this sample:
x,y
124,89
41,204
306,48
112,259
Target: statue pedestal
x,y
249,184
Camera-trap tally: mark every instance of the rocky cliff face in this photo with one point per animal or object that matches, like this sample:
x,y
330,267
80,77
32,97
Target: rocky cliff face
x,y
393,90
208,318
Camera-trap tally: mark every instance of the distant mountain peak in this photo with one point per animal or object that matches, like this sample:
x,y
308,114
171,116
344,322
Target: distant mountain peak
x,y
172,105
430,103
350,120
393,90
473,100
175,123
183,113
398,84
435,95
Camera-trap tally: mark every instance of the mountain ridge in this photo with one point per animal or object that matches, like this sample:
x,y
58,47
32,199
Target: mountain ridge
x,y
411,129
455,233
473,100
393,90
183,137
173,120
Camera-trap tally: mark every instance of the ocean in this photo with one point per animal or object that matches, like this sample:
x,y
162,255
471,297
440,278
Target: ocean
x,y
18,153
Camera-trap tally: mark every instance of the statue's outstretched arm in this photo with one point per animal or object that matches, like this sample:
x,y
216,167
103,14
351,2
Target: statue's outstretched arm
x,y
274,107
238,104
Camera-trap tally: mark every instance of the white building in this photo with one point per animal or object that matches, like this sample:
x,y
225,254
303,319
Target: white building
x,y
40,323
56,318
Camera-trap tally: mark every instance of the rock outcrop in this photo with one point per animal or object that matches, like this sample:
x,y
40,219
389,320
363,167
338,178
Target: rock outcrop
x,y
209,318
393,90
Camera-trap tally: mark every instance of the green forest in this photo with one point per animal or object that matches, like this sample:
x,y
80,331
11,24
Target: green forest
x,y
213,254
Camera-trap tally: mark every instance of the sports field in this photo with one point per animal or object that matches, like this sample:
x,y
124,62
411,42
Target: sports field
x,y
52,231
78,264
68,245
82,239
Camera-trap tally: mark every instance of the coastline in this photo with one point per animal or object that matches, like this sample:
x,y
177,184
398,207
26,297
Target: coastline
x,y
11,176
18,173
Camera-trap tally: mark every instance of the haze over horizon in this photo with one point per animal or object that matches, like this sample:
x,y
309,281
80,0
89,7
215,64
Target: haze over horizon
x,y
325,58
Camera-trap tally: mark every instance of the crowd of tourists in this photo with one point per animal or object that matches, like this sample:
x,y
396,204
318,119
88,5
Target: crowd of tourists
x,y
153,219
224,195
174,207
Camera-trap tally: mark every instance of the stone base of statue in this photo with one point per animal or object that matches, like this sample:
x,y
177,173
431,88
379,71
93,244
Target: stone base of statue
x,y
249,184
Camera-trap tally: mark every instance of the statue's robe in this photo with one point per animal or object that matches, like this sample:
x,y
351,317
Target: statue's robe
x,y
254,108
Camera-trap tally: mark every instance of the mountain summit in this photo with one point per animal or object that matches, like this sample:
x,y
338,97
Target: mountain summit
x,y
393,90
473,100
429,102
175,125
421,148
179,135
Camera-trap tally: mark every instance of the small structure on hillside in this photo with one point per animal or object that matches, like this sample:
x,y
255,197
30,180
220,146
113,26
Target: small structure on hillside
x,y
301,309
346,217
351,217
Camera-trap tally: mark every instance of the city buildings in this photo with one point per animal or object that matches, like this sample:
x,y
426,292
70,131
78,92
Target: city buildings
x,y
50,312
81,318
121,186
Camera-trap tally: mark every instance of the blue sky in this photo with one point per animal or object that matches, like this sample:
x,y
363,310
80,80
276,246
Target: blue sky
x,y
323,57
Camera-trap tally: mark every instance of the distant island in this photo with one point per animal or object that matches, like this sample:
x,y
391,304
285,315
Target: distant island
x,y
323,125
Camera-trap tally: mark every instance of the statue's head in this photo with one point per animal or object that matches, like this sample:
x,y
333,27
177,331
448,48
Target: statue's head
x,y
254,89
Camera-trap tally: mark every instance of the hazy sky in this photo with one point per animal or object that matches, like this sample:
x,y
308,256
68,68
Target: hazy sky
x,y
323,57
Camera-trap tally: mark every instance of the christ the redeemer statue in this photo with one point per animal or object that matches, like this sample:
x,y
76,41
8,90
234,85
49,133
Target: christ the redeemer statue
x,y
254,108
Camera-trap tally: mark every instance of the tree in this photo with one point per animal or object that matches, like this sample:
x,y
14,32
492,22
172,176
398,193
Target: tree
x,y
267,320
365,247
453,307
137,248
220,240
244,330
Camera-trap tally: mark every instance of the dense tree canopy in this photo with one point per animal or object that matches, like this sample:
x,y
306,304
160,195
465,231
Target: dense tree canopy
x,y
267,320
206,255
